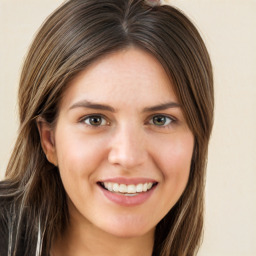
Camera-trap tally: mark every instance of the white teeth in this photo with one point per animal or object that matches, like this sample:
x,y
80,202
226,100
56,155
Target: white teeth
x,y
110,186
145,187
115,187
129,190
139,188
149,185
122,188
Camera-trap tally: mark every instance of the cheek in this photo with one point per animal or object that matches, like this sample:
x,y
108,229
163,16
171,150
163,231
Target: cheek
x,y
177,154
74,148
174,160
78,157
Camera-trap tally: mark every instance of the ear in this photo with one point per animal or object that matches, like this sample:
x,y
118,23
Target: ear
x,y
47,140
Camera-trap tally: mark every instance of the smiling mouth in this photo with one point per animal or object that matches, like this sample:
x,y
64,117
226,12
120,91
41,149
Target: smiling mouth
x,y
127,190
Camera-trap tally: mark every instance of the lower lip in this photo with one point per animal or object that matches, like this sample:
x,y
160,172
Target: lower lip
x,y
128,200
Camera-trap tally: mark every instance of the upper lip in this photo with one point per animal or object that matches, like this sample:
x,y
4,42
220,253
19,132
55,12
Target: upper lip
x,y
129,181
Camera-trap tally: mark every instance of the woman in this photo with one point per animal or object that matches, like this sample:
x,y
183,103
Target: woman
x,y
116,111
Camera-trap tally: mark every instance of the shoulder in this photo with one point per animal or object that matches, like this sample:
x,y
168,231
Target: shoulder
x,y
4,236
15,226
7,217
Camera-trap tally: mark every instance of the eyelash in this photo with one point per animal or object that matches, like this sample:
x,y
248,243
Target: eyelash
x,y
84,119
171,120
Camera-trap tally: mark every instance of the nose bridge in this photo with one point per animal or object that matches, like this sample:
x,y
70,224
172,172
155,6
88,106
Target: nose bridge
x,y
128,146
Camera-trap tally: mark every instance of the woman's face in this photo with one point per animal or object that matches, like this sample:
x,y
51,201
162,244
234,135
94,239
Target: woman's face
x,y
122,145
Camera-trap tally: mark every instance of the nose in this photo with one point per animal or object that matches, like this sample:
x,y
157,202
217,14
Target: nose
x,y
128,149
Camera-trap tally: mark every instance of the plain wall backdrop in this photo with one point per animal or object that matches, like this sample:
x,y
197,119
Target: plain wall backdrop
x,y
229,30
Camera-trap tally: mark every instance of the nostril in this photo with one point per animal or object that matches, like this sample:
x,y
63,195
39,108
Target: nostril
x,y
126,161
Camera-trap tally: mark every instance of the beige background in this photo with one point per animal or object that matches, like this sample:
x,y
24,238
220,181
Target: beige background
x,y
229,29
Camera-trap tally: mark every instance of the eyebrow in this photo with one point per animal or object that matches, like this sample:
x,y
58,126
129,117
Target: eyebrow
x,y
94,105
162,107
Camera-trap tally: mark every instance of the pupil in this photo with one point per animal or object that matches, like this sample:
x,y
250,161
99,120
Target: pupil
x,y
95,120
159,120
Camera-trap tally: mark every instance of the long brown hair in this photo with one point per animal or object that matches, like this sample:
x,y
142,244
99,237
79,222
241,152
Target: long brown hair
x,y
75,35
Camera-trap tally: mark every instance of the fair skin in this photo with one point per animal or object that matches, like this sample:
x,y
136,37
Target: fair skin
x,y
119,125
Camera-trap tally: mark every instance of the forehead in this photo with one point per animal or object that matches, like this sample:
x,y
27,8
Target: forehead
x,y
127,75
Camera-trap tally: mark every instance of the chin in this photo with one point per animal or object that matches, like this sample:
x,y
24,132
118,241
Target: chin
x,y
129,233
129,229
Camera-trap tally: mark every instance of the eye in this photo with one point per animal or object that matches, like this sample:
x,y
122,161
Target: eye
x,y
161,120
95,120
